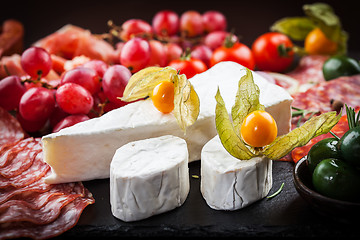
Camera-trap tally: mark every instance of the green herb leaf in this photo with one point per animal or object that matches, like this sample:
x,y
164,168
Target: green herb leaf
x,y
246,101
229,139
353,120
302,135
277,192
297,28
186,102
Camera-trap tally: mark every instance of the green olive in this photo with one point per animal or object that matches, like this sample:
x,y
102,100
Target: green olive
x,y
349,145
326,148
337,179
338,66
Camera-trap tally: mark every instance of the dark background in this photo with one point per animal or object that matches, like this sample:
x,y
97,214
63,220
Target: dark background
x,y
249,18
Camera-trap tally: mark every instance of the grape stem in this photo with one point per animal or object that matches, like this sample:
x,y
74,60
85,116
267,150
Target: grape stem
x,y
43,84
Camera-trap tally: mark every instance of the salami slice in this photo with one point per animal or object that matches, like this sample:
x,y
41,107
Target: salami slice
x,y
38,186
22,160
37,170
28,206
10,151
67,219
321,96
15,211
10,128
309,71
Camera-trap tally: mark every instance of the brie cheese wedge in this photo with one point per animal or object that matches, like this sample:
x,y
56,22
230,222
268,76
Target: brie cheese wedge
x,y
84,151
228,183
149,177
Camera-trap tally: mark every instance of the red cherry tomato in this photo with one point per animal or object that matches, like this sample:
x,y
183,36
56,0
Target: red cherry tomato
x,y
188,66
273,52
236,52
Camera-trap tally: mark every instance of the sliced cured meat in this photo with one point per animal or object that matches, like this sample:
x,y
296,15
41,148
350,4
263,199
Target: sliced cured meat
x,y
15,211
46,214
71,41
37,170
37,199
67,219
22,160
11,37
37,186
10,128
28,206
321,96
10,151
309,71
11,65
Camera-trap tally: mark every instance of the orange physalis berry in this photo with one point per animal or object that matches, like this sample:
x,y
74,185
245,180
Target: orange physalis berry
x,y
258,129
163,96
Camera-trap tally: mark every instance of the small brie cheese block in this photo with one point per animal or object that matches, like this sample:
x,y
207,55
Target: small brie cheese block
x,y
84,151
228,183
149,177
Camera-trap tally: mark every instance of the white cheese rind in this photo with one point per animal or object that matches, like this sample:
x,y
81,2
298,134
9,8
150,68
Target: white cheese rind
x,y
73,152
228,183
149,177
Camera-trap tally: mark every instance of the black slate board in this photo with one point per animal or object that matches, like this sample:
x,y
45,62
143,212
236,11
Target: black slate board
x,y
286,215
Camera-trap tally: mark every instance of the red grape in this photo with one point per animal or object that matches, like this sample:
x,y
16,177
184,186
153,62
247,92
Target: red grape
x,y
135,54
214,21
37,104
173,51
11,91
158,54
114,82
135,28
216,39
86,77
74,99
98,65
57,115
70,121
36,62
166,23
30,126
191,24
203,53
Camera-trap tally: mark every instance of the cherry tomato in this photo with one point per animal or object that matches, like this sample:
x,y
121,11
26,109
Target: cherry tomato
x,y
163,96
236,52
316,43
273,52
188,66
258,129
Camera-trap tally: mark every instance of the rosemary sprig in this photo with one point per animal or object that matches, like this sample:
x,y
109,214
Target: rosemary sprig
x,y
353,118
302,113
277,192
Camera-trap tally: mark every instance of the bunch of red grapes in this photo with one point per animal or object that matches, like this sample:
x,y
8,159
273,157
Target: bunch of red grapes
x,y
94,88
165,41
